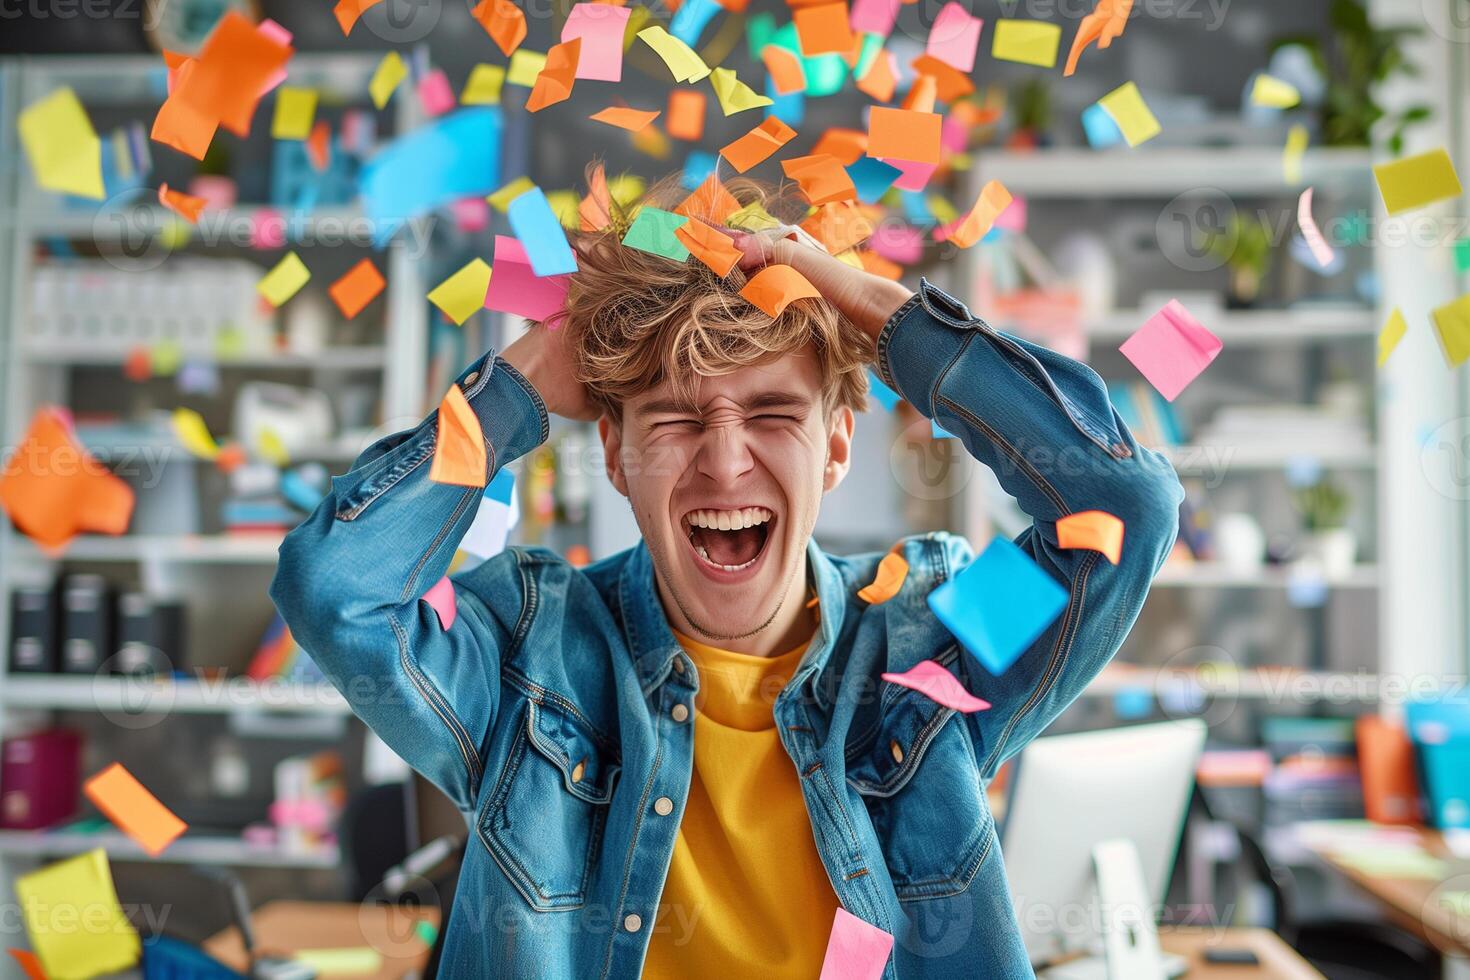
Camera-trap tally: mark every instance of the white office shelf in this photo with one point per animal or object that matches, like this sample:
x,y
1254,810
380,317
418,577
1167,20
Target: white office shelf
x,y
327,359
1166,172
1304,324
1273,685
227,851
223,226
1220,459
142,697
1217,576
204,548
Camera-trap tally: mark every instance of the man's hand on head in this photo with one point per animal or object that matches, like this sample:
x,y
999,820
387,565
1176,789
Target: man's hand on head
x,y
544,356
864,298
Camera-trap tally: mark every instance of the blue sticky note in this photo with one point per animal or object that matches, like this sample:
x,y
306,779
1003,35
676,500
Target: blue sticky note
x,y
789,108
916,208
540,232
1306,589
1132,703
998,604
455,156
690,19
697,166
502,486
872,178
1101,131
886,396
938,431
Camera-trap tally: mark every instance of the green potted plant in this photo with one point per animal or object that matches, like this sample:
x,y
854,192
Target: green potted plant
x,y
1031,110
1245,248
1329,541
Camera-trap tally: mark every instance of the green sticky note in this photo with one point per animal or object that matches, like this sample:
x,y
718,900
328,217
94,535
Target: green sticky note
x,y
426,931
1395,863
825,73
1462,255
867,54
759,29
360,960
653,231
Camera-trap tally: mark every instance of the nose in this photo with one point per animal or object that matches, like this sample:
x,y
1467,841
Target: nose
x,y
723,456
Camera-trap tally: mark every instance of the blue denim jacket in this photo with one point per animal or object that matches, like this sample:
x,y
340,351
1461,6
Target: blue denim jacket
x,y
547,711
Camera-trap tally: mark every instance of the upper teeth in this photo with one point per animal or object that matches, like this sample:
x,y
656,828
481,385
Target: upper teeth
x,y
729,520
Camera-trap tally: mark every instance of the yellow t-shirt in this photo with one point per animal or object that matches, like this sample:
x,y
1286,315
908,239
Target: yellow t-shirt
x,y
747,894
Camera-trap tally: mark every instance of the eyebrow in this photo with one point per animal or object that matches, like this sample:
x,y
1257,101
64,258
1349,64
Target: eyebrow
x,y
766,399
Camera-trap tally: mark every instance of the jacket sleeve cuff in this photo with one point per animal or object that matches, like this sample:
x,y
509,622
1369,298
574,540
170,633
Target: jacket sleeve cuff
x,y
919,341
511,412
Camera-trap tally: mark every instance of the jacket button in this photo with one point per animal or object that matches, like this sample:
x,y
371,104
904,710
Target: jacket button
x,y
1121,451
663,806
470,379
895,750
680,713
678,665
633,922
578,770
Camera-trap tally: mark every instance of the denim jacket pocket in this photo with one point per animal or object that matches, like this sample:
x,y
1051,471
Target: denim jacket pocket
x,y
922,790
543,822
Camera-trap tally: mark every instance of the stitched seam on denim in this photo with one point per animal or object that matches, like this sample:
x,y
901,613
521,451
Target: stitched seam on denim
x,y
411,588
1004,446
545,695
437,704
855,854
899,778
391,480
658,758
885,339
959,883
502,364
1054,395
530,602
1058,657
546,744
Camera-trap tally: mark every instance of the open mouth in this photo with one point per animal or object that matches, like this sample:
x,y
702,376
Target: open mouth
x,y
729,540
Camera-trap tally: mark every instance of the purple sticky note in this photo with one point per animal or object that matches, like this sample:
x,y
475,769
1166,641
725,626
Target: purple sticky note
x,y
601,27
913,176
954,36
903,244
515,287
441,599
855,950
1171,349
435,95
938,684
873,16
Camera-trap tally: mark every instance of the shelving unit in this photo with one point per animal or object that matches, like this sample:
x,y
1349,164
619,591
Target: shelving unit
x,y
51,845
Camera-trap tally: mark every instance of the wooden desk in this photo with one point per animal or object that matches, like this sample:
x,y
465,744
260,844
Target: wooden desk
x,y
1414,903
284,928
1278,960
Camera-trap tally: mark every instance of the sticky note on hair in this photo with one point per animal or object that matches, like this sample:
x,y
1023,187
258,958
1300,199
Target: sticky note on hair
x,y
888,579
515,287
1125,104
710,201
758,144
463,293
855,949
359,287
1417,181
459,444
1029,42
652,231
284,280
708,245
775,287
137,812
440,598
1094,530
821,177
1171,349
938,685
997,605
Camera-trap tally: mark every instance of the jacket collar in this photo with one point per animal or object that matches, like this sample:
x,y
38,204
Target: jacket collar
x,y
653,645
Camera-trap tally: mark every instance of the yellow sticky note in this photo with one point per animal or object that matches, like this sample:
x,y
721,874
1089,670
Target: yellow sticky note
x,y
391,72
348,961
1452,323
483,87
463,293
943,211
501,199
284,281
62,146
752,217
1274,93
680,58
651,140
566,205
295,111
1393,331
525,65
193,434
734,95
626,188
1125,104
1414,182
165,357
78,890
1031,42
1296,148
271,448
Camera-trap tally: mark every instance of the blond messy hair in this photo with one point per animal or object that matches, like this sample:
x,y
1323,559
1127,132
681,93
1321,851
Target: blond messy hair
x,y
637,319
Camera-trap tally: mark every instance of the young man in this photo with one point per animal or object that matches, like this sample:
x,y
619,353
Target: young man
x,y
681,760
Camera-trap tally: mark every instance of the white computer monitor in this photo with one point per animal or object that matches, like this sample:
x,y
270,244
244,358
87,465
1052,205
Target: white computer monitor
x,y
1072,792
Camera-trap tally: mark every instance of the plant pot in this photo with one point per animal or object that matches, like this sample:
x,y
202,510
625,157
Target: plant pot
x,y
1334,549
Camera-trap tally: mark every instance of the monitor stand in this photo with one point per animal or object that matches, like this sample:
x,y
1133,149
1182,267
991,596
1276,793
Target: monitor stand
x,y
1129,939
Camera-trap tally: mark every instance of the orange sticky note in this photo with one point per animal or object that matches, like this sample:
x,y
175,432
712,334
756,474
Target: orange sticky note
x,y
821,177
1094,530
319,145
709,202
52,488
625,118
922,94
459,445
359,287
892,570
595,211
137,812
822,28
181,203
30,963
554,83
993,199
839,226
881,79
685,120
758,144
503,21
902,134
950,84
847,145
710,246
787,74
775,287
878,265
348,11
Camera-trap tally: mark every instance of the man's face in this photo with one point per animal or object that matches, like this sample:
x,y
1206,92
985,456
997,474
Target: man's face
x,y
726,491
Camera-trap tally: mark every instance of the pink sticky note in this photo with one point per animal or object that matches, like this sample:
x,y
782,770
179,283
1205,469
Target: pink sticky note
x,y
855,950
954,36
1013,218
435,95
913,176
471,214
267,229
1171,349
601,27
954,134
938,684
441,599
903,244
280,35
1321,251
873,16
515,287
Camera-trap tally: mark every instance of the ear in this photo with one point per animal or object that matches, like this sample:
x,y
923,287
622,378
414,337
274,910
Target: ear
x,y
839,448
611,432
